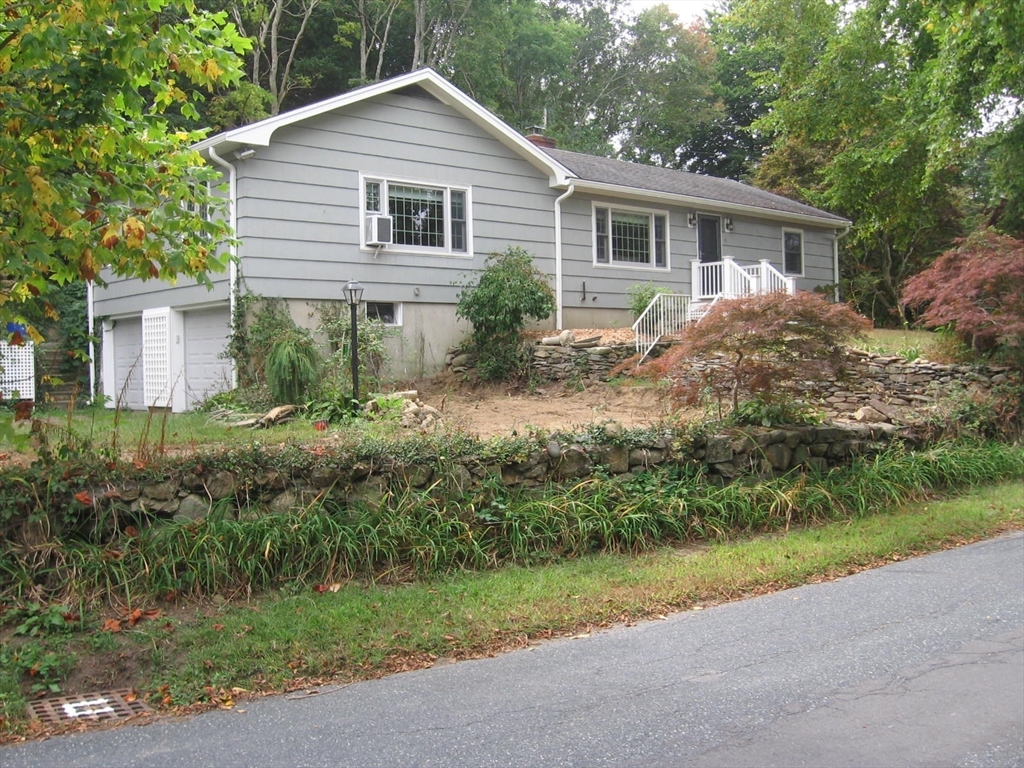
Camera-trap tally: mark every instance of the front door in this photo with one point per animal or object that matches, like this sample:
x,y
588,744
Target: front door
x,y
709,249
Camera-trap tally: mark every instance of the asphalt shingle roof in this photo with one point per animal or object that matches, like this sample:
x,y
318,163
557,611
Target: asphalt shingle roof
x,y
652,179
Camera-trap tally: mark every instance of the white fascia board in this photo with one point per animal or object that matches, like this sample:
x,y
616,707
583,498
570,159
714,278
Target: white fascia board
x,y
707,204
259,134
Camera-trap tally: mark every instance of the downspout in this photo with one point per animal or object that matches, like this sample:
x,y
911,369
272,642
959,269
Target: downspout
x,y
840,234
558,255
232,248
92,347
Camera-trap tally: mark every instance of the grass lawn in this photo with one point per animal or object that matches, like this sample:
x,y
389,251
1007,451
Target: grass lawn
x,y
212,653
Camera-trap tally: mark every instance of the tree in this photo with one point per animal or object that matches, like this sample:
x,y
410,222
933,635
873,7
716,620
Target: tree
x,y
509,291
977,288
277,28
91,176
768,342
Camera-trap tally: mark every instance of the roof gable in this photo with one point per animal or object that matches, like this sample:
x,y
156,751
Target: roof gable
x,y
596,174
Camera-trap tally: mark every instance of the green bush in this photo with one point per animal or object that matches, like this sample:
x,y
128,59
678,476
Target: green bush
x,y
510,291
293,367
640,295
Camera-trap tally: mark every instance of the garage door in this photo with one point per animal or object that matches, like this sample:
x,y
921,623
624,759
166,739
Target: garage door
x,y
127,390
207,333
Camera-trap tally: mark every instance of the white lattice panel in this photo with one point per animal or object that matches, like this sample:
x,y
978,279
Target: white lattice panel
x,y
17,371
156,357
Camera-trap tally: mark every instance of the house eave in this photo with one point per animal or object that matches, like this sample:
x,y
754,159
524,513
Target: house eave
x,y
707,204
260,134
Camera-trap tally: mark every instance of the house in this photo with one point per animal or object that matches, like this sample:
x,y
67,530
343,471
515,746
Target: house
x,y
406,186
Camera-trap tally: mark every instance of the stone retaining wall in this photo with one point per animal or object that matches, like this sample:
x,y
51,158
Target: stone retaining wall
x,y
871,378
196,489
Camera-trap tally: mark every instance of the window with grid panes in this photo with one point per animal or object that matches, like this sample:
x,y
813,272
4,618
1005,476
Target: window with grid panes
x,y
630,238
427,217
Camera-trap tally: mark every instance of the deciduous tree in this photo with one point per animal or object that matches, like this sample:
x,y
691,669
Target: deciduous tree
x,y
91,176
977,288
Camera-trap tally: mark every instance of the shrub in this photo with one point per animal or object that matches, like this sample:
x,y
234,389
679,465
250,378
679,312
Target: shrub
x,y
977,288
510,290
769,342
640,295
293,367
335,323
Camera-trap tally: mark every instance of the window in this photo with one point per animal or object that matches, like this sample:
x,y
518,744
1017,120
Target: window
x,y
388,312
630,238
424,217
793,252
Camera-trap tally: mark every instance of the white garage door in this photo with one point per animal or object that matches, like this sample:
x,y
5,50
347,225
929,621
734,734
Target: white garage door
x,y
127,390
207,333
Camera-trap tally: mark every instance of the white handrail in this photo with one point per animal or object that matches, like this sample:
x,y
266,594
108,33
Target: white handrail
x,y
668,313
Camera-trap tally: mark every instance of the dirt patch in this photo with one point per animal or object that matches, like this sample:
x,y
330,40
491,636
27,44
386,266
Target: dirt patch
x,y
489,411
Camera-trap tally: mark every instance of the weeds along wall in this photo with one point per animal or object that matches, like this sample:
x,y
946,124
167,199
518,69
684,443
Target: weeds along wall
x,y
99,501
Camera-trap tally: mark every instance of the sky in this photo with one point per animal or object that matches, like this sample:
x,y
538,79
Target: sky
x,y
686,10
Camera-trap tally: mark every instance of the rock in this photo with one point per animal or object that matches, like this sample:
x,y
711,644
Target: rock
x,y
324,477
618,459
867,413
221,485
417,475
719,450
554,449
284,502
272,480
564,339
160,491
574,463
779,456
192,507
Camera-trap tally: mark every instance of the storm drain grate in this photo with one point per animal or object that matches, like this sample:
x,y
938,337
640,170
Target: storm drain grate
x,y
105,705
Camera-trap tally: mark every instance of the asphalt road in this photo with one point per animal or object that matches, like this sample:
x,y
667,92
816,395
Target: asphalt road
x,y
920,663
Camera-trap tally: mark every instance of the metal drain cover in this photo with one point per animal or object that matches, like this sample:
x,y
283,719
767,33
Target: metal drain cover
x,y
89,707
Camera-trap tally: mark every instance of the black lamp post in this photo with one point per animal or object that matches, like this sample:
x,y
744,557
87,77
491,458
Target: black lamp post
x,y
353,295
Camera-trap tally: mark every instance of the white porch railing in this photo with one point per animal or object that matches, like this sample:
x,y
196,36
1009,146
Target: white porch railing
x,y
728,280
668,313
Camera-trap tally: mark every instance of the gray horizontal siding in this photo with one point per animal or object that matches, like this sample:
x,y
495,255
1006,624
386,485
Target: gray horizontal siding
x,y
130,297
751,240
298,202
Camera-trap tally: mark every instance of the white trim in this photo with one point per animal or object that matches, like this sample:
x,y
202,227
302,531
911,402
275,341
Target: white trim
x,y
559,302
260,133
232,248
612,263
720,207
803,252
385,180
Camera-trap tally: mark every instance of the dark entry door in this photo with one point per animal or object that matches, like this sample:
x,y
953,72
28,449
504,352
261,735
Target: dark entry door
x,y
709,248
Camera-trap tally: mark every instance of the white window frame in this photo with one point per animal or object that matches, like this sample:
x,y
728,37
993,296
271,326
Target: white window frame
x,y
803,252
651,213
398,312
446,189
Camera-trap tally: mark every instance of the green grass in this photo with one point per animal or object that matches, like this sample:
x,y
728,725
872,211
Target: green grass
x,y
300,635
905,342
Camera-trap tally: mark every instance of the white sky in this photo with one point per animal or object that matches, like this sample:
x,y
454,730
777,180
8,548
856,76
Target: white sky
x,y
686,10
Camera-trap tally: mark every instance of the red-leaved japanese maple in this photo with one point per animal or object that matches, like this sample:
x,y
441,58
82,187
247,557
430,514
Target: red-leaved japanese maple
x,y
768,342
977,288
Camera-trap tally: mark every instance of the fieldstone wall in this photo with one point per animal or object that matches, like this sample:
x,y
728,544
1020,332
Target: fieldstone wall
x,y
196,490
887,384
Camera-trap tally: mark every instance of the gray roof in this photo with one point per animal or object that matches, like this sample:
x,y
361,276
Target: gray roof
x,y
665,180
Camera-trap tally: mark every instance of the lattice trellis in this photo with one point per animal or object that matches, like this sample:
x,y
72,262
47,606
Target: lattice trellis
x,y
156,355
17,372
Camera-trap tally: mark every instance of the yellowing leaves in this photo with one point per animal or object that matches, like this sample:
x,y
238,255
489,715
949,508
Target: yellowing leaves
x,y
110,237
134,232
211,69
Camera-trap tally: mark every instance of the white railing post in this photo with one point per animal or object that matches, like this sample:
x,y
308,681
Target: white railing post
x,y
667,313
728,277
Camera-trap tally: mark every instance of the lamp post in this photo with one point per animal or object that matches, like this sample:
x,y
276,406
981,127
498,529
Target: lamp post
x,y
353,295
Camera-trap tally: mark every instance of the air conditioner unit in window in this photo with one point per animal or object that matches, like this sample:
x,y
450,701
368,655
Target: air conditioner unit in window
x,y
378,230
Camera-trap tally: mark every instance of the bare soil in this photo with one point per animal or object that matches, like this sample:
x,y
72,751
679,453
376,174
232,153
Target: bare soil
x,y
493,410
